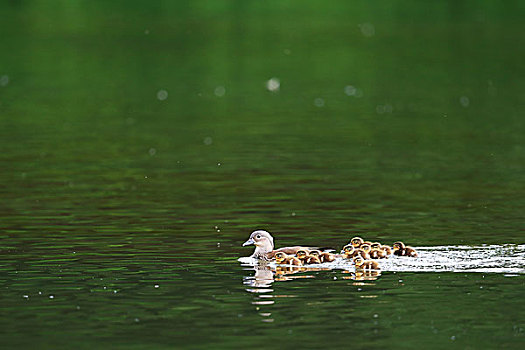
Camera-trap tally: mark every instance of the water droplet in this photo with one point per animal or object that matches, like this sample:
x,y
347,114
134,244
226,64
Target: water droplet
x,y
453,338
4,80
162,95
350,90
464,101
219,91
25,296
367,29
273,85
157,286
51,297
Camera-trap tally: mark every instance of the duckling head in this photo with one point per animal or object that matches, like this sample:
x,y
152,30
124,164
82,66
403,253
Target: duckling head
x,y
398,246
301,254
375,245
358,261
365,247
280,257
356,241
348,249
263,242
315,252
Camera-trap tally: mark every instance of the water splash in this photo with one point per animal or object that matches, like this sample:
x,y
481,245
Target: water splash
x,y
507,259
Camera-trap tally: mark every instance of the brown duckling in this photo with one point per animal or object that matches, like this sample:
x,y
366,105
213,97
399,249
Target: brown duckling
x,y
324,256
302,254
264,247
365,247
356,242
327,257
387,250
312,259
363,254
361,264
401,250
348,251
377,253
282,258
375,245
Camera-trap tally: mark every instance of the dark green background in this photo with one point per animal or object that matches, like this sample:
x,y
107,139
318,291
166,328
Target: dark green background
x,y
106,188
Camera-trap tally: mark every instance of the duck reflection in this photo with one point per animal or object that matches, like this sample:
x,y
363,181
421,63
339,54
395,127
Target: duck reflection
x,y
265,275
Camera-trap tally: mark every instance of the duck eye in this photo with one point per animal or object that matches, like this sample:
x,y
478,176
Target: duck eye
x,y
258,236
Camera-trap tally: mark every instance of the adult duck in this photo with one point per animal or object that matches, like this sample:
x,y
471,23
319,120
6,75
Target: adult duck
x,y
264,246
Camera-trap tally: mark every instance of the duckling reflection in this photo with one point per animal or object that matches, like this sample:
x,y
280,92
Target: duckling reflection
x,y
368,275
362,275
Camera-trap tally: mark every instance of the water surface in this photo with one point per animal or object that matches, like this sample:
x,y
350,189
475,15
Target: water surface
x,y
140,146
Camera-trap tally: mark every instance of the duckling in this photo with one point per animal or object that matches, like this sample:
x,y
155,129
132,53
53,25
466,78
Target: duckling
x,y
312,259
365,249
327,257
401,250
361,264
387,250
356,242
302,254
348,251
377,253
375,245
363,254
282,258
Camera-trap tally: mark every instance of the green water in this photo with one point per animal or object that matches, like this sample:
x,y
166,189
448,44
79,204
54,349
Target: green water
x,y
140,147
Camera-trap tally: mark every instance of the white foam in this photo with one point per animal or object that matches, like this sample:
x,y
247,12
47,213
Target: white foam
x,y
505,259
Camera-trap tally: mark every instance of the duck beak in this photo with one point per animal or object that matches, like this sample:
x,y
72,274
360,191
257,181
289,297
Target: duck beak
x,y
248,242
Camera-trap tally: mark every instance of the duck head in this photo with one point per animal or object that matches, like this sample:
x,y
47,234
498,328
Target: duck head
x,y
263,242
